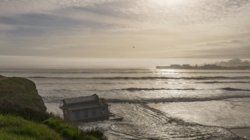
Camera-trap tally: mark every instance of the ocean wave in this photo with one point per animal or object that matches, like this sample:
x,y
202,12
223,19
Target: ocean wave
x,y
140,89
162,100
145,78
157,100
234,89
79,83
132,89
149,89
197,72
225,82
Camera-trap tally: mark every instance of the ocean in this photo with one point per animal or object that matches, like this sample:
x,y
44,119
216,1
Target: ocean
x,y
155,104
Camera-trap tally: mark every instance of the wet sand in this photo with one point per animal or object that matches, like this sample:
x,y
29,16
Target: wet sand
x,y
244,132
231,114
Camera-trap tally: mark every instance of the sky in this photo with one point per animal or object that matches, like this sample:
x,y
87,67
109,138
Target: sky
x,y
38,31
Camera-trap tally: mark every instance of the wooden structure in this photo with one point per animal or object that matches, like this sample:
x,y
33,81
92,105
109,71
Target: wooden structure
x,y
88,108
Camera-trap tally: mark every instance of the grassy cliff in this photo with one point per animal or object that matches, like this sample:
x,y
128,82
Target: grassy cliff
x,y
17,128
20,93
23,115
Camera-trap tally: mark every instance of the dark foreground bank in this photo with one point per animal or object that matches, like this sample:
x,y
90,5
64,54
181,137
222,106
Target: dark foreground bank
x,y
23,115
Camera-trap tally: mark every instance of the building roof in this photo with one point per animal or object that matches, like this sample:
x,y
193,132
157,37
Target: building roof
x,y
85,102
91,98
85,106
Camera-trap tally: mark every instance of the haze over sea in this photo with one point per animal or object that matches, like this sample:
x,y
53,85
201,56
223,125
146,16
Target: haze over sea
x,y
155,104
73,48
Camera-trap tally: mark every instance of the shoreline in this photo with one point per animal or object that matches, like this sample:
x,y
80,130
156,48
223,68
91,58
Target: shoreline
x,y
241,132
212,113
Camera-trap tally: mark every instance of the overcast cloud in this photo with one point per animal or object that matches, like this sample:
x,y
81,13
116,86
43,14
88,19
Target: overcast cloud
x,y
110,28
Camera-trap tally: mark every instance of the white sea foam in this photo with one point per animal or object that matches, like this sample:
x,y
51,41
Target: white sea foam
x,y
229,113
155,104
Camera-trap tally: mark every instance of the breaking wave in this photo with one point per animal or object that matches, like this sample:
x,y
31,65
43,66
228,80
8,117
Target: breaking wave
x,y
158,100
225,82
234,89
147,89
145,78
139,89
163,100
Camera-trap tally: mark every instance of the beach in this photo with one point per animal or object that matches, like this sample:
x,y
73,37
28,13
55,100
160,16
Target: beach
x,y
155,104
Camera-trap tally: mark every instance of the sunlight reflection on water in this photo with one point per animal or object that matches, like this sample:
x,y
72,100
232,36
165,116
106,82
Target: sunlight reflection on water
x,y
153,102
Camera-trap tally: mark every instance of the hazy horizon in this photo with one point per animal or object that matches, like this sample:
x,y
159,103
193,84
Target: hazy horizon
x,y
94,33
31,62
111,48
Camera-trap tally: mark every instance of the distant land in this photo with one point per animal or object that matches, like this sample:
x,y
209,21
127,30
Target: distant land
x,y
233,64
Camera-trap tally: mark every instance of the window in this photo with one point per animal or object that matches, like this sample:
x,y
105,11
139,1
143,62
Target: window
x,y
94,112
102,111
77,115
85,113
65,114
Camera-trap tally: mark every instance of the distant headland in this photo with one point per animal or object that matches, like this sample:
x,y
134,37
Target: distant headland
x,y
233,64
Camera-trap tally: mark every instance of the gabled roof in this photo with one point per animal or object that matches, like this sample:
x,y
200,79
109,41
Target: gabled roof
x,y
92,98
86,106
85,102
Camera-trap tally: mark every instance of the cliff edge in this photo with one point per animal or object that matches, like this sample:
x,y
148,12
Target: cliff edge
x,y
19,93
23,115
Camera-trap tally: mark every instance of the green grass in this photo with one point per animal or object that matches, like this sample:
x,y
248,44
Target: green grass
x,y
23,115
71,132
17,128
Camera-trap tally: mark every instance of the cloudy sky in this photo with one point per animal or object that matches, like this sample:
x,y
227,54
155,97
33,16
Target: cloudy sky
x,y
108,29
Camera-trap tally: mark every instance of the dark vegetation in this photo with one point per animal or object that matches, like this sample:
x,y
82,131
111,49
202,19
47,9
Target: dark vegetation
x,y
16,128
20,93
71,132
23,115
